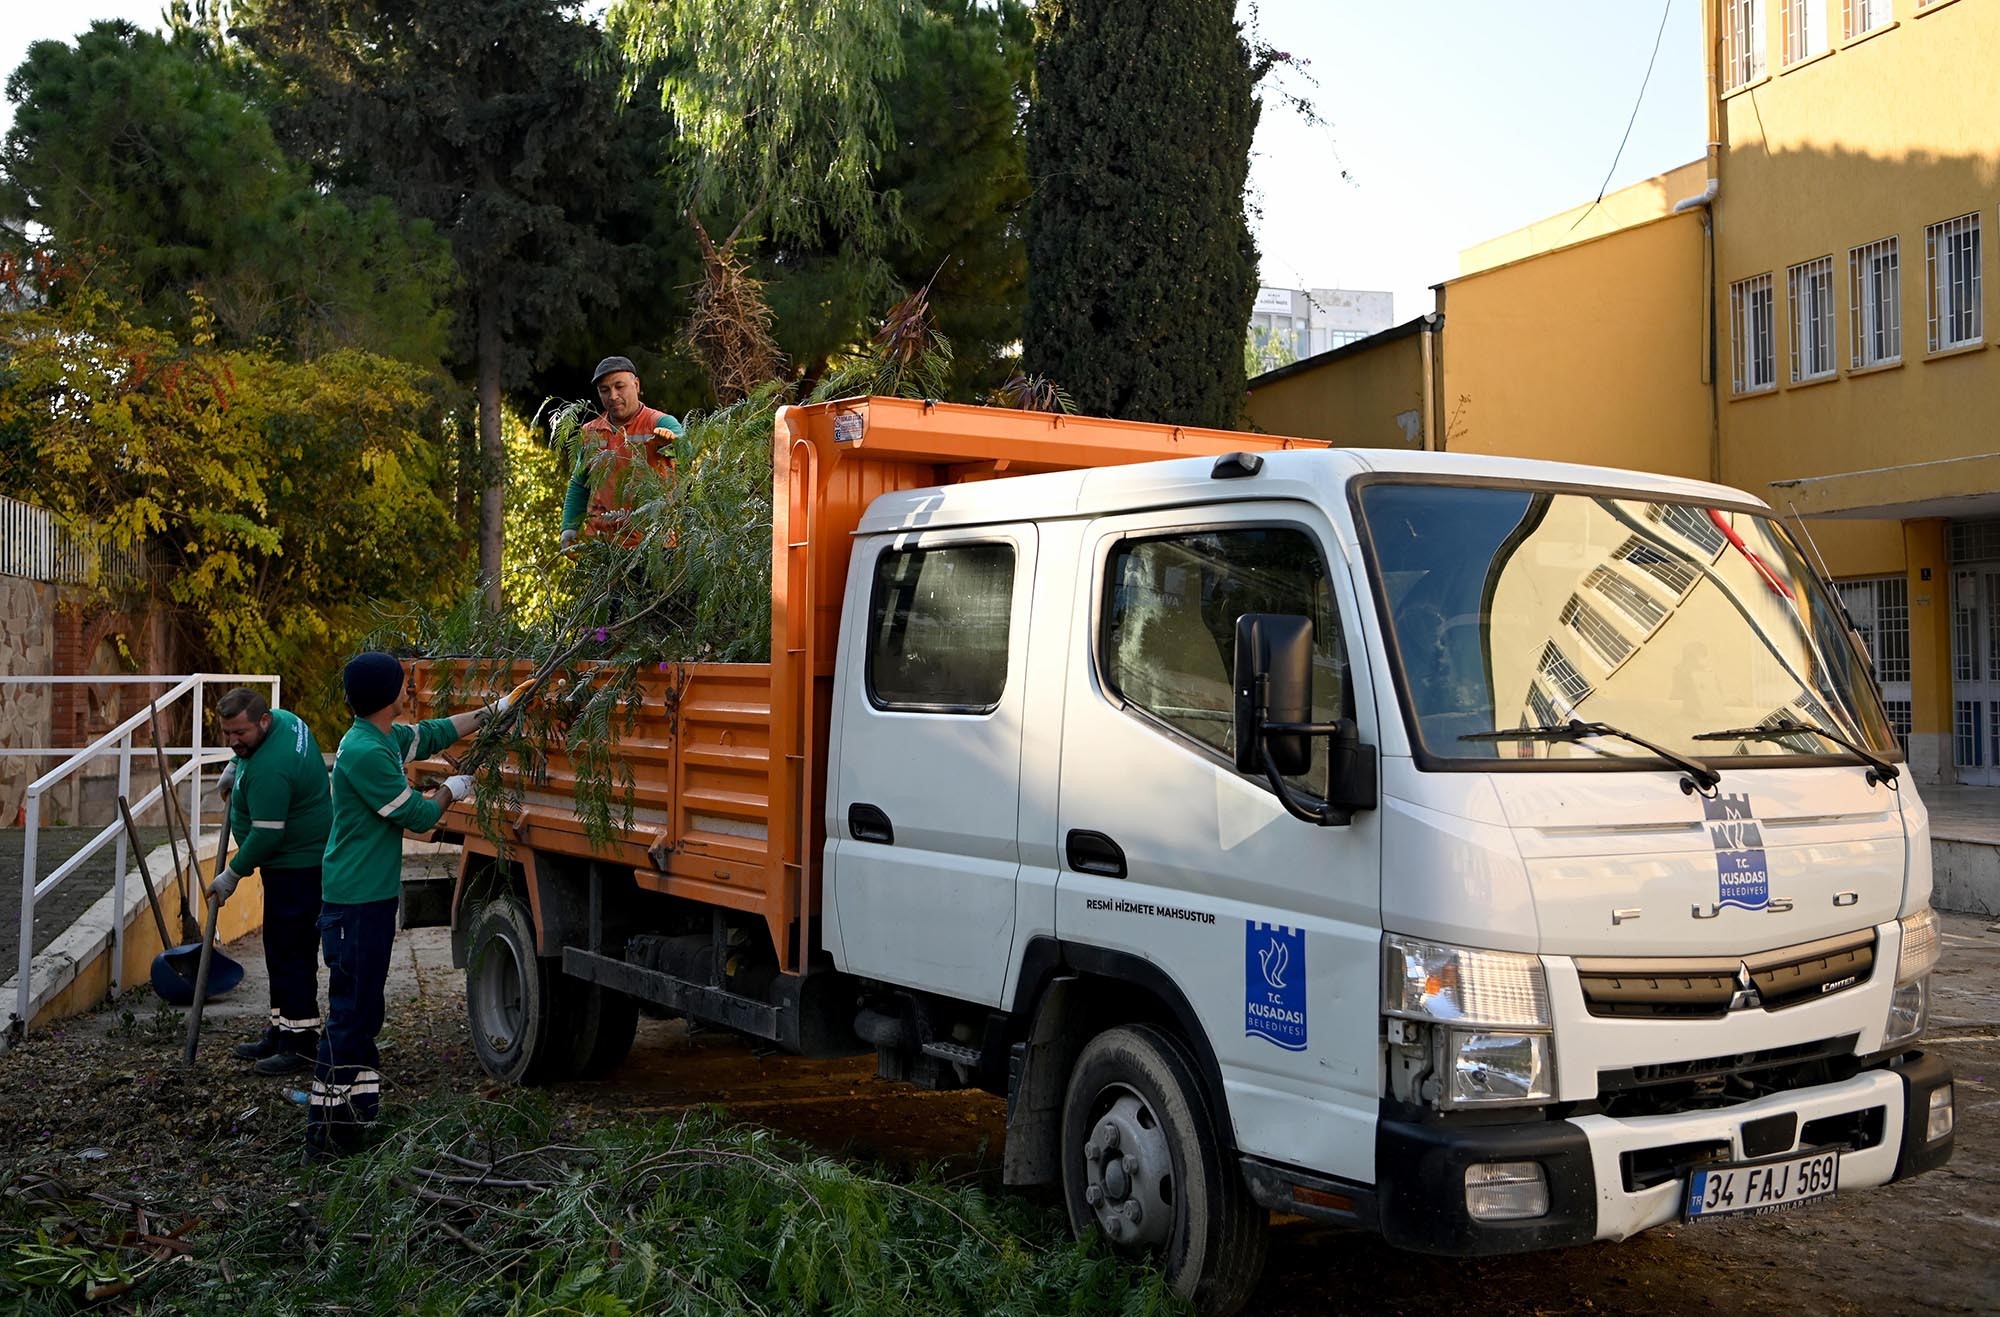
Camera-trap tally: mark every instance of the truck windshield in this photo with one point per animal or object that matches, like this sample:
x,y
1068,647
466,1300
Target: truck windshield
x,y
1513,608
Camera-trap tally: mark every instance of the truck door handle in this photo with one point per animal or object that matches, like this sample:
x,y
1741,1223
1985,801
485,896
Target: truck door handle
x,y
1094,853
867,823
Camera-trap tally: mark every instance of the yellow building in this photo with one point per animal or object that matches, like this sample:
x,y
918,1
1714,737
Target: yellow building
x,y
1801,314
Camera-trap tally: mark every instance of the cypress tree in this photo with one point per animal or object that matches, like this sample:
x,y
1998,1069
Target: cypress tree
x,y
1141,267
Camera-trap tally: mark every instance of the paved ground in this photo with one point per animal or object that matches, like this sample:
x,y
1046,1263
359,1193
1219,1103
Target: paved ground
x,y
1964,813
61,906
1928,1245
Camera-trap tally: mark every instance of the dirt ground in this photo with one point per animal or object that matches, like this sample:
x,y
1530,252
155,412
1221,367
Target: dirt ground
x,y
104,1104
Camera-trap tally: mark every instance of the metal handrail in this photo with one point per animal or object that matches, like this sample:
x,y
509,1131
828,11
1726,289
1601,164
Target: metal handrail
x,y
116,741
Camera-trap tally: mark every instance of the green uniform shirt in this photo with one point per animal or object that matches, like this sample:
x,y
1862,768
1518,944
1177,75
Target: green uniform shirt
x,y
279,811
373,802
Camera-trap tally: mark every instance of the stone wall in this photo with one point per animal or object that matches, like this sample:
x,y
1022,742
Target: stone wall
x,y
27,649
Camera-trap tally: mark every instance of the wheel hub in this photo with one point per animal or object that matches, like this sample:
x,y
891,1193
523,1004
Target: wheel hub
x,y
1129,1172
499,992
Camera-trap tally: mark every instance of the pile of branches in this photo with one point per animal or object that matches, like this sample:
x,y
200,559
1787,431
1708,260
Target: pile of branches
x,y
690,582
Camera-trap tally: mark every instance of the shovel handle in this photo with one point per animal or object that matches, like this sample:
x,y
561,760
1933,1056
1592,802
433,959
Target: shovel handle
x,y
207,951
145,873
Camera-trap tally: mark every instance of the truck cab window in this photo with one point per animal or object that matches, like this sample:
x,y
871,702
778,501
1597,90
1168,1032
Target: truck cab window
x,y
1169,638
938,622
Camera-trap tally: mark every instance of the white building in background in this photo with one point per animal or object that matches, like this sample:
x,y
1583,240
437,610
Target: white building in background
x,y
1289,324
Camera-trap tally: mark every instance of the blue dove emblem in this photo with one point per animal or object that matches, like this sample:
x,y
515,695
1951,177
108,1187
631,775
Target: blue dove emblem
x,y
1274,960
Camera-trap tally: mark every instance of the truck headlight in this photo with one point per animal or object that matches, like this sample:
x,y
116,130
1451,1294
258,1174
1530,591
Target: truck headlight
x,y
1919,954
1909,1007
1454,985
1483,1068
1492,1045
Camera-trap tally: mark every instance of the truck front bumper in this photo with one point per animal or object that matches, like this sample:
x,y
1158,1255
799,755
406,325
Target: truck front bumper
x,y
1609,1178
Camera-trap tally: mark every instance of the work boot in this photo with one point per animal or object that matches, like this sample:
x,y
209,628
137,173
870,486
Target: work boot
x,y
264,1045
292,1052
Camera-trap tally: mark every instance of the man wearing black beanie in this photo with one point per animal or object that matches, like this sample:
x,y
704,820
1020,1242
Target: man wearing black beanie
x,y
373,804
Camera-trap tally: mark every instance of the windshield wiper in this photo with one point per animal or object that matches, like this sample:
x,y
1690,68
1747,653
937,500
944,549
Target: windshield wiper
x,y
1702,776
1877,765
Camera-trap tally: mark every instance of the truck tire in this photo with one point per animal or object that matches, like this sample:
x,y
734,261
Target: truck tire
x,y
1144,1166
600,1024
511,997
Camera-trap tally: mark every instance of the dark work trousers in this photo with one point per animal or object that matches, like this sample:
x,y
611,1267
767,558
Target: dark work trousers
x,y
291,953
347,1084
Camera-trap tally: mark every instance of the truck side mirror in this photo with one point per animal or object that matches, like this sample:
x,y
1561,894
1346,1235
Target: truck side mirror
x,y
1273,685
1273,733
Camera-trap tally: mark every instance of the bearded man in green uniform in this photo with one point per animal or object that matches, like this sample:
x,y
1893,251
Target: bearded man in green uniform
x,y
279,813
373,805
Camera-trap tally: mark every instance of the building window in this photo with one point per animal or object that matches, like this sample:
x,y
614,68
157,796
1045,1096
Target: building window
x,y
1691,523
1642,608
1743,43
1591,626
1676,573
1879,607
1951,258
1965,734
1562,676
1805,29
1810,289
1750,313
1899,720
1867,15
937,628
1875,286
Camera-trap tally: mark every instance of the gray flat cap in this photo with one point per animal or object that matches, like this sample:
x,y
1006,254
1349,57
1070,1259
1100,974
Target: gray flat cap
x,y
612,364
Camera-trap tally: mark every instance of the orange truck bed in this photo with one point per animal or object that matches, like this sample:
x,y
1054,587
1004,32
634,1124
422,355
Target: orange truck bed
x,y
729,759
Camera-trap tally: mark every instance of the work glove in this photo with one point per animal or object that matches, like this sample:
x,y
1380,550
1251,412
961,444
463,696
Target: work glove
x,y
569,538
228,782
223,886
458,786
511,698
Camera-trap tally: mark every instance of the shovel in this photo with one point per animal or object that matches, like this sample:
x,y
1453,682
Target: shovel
x,y
208,952
174,968
227,972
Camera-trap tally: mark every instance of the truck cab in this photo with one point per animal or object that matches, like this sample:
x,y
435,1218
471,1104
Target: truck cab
x,y
1492,854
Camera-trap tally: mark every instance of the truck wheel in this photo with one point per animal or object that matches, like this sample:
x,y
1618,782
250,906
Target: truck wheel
x,y
510,997
1144,1166
601,1024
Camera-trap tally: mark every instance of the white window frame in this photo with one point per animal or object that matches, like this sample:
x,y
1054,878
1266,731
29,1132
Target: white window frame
x,y
1875,302
1805,29
1952,257
1754,334
1859,16
1809,293
1742,43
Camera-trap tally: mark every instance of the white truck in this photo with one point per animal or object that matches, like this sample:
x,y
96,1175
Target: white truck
x,y
1494,854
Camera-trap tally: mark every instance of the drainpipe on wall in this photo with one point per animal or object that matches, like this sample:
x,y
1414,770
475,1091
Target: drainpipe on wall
x,y
1433,433
1705,200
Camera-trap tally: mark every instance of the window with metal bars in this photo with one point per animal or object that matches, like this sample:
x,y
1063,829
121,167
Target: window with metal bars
x,y
1974,541
1875,290
1641,607
1690,523
1802,743
1993,628
1951,258
1964,629
1809,287
1676,573
1866,15
1899,720
1993,719
1750,315
1966,740
1880,609
1596,631
1562,676
1742,43
1542,709
1805,29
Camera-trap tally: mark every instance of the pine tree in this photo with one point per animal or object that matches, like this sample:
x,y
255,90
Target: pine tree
x,y
1141,267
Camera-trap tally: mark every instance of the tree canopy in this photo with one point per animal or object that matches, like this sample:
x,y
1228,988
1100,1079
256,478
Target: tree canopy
x,y
1141,267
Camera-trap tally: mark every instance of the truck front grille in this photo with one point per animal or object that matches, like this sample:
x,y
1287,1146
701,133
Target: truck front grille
x,y
1721,1081
1705,987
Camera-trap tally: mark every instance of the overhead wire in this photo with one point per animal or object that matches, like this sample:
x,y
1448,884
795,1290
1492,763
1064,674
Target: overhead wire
x,y
1638,101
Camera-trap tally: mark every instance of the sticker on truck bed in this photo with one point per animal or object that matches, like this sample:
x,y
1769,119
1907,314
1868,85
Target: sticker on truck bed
x,y
1274,984
1743,878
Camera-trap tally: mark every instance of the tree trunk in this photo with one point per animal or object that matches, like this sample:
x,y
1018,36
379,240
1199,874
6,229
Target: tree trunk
x,y
492,450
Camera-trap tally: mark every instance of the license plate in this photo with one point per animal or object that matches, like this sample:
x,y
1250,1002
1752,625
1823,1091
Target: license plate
x,y
1761,1187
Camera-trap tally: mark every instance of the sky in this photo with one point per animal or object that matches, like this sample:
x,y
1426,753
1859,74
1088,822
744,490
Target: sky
x,y
1454,120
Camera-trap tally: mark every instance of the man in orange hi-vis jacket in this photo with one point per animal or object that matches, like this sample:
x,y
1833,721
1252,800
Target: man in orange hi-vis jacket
x,y
628,431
